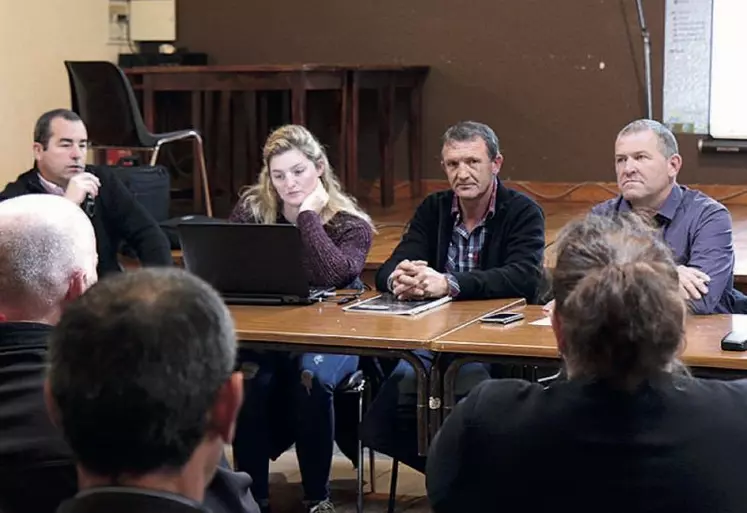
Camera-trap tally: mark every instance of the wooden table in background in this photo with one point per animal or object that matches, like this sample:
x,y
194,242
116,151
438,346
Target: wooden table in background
x,y
558,214
298,79
386,79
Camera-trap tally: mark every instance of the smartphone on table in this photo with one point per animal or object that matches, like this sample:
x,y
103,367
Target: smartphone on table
x,y
503,317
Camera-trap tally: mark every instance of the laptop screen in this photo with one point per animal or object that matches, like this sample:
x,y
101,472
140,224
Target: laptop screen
x,y
246,259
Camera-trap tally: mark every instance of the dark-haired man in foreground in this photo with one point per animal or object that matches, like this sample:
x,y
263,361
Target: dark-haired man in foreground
x,y
142,383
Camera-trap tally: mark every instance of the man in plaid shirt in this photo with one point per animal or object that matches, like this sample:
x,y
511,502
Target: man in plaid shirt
x,y
477,240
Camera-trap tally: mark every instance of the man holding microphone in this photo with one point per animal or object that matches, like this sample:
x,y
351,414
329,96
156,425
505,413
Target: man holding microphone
x,y
60,148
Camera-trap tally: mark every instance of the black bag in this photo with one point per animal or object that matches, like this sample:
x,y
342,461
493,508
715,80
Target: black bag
x,y
151,185
169,227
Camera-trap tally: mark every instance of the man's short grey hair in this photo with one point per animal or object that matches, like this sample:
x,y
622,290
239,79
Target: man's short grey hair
x,y
471,130
43,241
667,141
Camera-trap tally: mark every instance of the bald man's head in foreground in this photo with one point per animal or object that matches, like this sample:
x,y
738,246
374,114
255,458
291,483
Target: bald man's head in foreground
x,y
47,257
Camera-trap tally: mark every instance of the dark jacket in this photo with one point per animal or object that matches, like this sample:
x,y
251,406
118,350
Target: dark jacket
x,y
37,470
510,261
32,451
129,500
118,217
675,445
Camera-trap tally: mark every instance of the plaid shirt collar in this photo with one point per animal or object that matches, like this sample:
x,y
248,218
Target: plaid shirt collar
x,y
490,212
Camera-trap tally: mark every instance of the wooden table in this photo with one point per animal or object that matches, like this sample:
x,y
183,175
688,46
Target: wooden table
x,y
558,214
525,343
325,327
298,79
386,79
703,344
383,246
177,255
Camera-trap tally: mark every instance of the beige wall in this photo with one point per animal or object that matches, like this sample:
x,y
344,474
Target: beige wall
x,y
36,36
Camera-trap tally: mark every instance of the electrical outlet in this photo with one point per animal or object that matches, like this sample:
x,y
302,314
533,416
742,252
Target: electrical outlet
x,y
119,19
118,9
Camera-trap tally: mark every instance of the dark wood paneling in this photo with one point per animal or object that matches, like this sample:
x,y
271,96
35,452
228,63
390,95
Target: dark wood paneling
x,y
530,69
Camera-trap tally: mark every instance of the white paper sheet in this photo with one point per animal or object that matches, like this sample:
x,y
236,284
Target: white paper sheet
x,y
687,65
545,321
728,105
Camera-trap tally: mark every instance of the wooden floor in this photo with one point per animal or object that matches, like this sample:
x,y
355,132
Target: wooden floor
x,y
286,492
391,223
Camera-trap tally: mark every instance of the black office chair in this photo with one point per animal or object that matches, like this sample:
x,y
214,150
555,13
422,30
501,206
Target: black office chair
x,y
356,384
103,97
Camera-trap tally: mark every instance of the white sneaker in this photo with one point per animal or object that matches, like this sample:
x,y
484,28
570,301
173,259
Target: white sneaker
x,y
325,506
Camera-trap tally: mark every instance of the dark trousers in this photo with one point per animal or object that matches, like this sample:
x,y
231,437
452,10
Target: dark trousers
x,y
390,424
289,399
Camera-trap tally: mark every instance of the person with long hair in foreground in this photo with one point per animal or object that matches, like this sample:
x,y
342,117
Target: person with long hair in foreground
x,y
629,429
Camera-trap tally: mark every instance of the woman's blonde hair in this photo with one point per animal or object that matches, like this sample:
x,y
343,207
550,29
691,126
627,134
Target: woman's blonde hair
x,y
262,200
617,297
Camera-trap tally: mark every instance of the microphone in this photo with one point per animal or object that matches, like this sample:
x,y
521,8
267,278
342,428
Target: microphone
x,y
88,205
646,36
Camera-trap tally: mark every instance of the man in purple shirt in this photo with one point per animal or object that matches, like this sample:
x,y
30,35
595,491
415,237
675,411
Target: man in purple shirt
x,y
695,226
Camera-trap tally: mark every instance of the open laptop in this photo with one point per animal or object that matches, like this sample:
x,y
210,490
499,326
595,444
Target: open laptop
x,y
249,264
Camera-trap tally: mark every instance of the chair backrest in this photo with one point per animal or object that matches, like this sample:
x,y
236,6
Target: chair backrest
x,y
103,97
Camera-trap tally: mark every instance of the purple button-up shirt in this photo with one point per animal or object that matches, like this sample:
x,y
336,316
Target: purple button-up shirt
x,y
698,230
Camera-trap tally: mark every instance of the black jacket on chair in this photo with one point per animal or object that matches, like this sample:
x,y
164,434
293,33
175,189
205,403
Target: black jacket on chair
x,y
511,259
36,467
117,217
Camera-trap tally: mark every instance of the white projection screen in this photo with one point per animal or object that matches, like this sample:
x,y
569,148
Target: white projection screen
x,y
728,105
